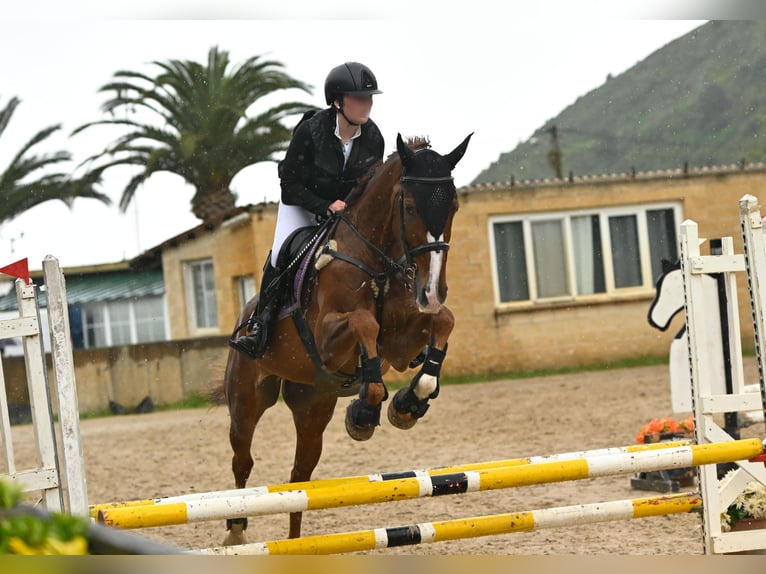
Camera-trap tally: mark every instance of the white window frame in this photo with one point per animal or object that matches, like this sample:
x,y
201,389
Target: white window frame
x,y
246,289
604,213
191,310
107,325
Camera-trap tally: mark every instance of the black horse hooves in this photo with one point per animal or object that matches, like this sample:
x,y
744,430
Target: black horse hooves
x,y
362,420
360,430
402,421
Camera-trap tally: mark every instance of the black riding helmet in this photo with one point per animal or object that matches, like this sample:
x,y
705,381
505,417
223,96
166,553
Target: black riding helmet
x,y
350,78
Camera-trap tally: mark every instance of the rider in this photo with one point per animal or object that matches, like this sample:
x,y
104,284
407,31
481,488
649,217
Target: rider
x,y
330,150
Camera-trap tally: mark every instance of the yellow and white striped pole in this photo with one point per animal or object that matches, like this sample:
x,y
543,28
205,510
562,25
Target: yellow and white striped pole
x,y
382,477
426,532
422,486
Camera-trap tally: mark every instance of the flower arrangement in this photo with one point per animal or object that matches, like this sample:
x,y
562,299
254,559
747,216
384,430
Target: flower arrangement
x,y
749,504
665,425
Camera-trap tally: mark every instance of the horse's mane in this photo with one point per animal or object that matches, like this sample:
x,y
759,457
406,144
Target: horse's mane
x,y
415,143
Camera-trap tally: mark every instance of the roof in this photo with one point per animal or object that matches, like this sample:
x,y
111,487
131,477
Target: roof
x,y
152,257
678,173
94,287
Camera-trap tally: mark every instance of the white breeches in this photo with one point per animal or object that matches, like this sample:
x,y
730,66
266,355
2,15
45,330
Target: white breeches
x,y
289,218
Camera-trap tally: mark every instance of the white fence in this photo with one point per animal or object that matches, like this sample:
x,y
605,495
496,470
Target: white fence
x,y
709,406
59,473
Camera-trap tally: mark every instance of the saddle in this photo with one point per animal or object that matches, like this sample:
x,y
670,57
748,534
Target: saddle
x,y
294,259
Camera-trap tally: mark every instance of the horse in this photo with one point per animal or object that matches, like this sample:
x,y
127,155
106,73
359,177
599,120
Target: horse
x,y
372,299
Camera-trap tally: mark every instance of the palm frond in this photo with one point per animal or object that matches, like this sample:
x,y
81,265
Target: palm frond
x,y
196,122
24,183
7,113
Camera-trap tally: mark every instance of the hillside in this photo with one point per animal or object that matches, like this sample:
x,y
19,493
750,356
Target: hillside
x,y
699,99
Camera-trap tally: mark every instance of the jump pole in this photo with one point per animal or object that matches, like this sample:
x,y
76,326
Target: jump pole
x,y
427,532
381,477
419,487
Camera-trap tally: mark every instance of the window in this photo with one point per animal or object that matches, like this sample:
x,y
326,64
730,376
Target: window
x,y
245,288
149,319
587,253
119,322
95,326
663,243
562,256
124,322
200,289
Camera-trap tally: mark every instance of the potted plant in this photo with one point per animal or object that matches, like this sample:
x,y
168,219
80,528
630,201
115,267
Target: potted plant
x,y
747,511
665,428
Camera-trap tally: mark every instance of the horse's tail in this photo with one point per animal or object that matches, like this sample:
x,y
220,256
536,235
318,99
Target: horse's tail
x,y
217,394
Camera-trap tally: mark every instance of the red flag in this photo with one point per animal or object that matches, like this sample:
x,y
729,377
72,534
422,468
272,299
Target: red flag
x,y
18,269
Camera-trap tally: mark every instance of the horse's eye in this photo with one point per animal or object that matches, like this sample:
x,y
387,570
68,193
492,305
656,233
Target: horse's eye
x,y
410,210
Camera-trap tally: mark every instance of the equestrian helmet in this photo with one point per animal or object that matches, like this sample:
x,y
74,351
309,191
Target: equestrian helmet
x,y
350,78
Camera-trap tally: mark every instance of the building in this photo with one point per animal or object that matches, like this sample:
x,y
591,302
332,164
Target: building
x,y
543,275
109,305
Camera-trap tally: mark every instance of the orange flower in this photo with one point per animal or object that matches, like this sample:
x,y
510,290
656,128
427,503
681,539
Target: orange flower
x,y
665,425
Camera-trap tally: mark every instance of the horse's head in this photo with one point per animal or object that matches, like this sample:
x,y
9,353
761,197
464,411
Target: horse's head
x,y
669,296
427,205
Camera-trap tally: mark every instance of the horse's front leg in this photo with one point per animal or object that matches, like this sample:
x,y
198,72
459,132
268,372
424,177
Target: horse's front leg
x,y
363,414
342,335
411,403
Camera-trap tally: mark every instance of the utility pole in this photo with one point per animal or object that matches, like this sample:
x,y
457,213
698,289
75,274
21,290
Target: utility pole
x,y
554,153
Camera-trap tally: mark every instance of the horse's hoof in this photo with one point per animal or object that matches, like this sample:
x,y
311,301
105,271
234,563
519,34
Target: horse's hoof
x,y
356,431
402,421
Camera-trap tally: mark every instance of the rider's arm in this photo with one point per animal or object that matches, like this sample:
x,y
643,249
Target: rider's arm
x,y
296,172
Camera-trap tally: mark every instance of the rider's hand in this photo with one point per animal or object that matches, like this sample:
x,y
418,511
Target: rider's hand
x,y
336,206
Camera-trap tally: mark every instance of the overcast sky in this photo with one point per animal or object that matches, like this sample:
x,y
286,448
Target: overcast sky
x,y
500,76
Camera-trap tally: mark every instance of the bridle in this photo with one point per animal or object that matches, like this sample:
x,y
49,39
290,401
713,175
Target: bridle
x,y
409,254
405,266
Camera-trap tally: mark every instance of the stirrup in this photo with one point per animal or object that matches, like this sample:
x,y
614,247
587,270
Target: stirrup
x,y
249,346
244,347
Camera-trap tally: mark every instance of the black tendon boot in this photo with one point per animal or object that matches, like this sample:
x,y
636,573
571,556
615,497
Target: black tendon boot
x,y
254,344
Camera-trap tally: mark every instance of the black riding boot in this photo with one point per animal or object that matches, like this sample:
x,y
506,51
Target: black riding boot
x,y
254,344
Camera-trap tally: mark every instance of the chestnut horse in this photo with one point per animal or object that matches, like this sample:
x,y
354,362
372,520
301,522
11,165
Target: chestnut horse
x,y
377,287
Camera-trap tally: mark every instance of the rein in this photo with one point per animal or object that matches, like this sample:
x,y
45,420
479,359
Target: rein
x,y
392,267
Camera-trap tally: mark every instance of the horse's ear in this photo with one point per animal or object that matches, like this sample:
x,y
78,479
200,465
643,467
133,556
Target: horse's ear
x,y
456,154
405,153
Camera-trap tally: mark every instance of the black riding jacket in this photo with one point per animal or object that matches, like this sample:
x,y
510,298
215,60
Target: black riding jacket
x,y
312,175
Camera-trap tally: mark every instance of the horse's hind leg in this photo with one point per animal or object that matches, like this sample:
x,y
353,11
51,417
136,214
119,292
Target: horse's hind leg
x,y
312,411
247,400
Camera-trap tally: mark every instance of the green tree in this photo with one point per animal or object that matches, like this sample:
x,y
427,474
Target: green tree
x,y
24,183
204,133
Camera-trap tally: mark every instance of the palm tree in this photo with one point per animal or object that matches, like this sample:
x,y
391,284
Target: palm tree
x,y
24,183
204,134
